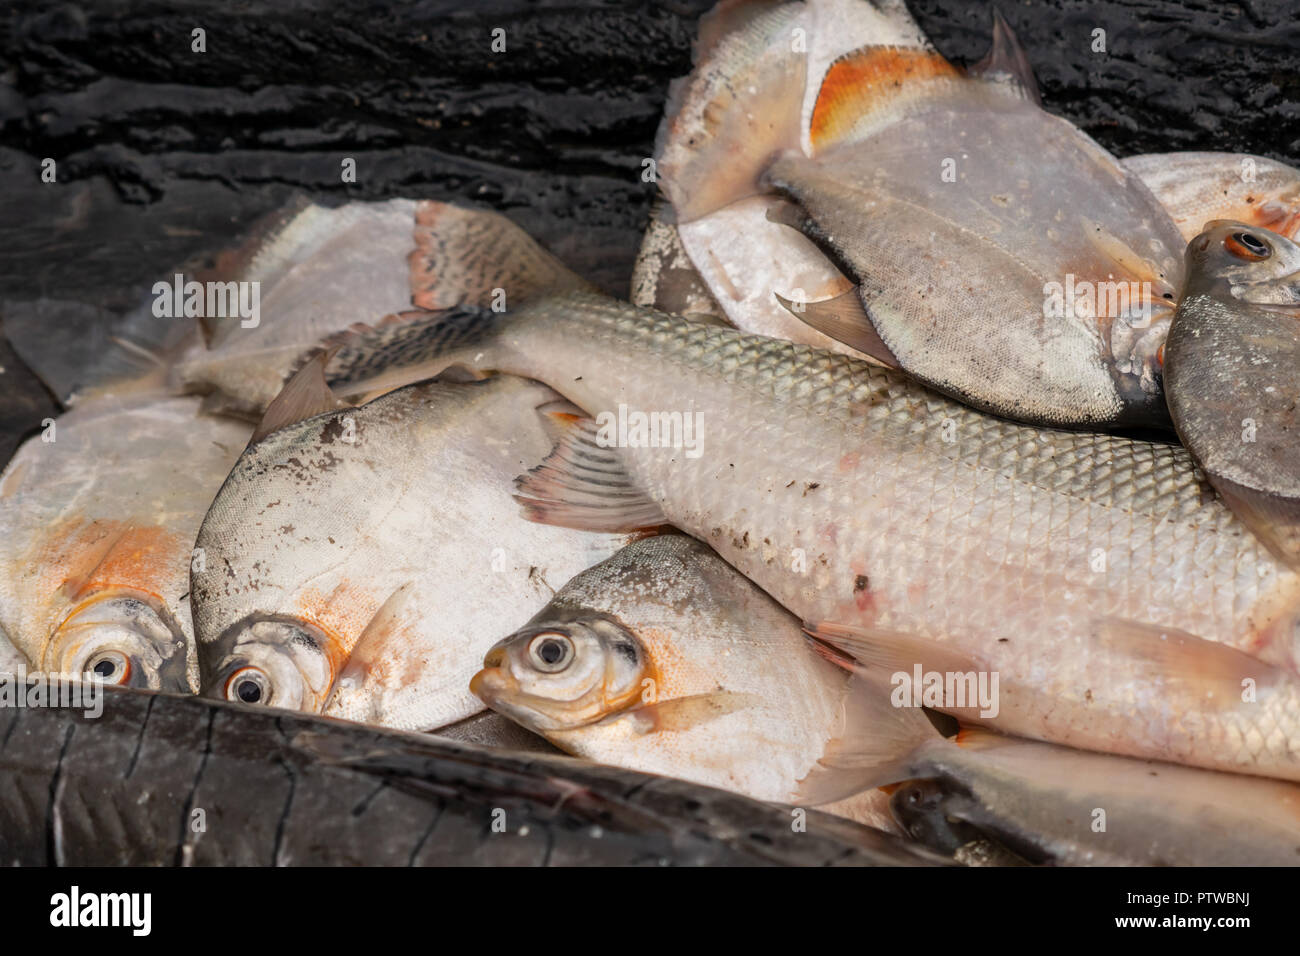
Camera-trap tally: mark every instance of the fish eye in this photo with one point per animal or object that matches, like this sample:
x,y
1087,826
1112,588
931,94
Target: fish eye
x,y
112,667
248,685
1243,245
551,652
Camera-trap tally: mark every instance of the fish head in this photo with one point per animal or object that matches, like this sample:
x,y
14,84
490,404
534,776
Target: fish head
x,y
564,674
277,662
1249,263
125,640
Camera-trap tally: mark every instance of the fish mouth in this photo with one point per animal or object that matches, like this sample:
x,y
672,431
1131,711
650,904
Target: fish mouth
x,y
500,692
492,682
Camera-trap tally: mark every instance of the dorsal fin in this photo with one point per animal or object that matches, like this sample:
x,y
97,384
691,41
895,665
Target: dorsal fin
x,y
845,319
305,395
1007,63
862,86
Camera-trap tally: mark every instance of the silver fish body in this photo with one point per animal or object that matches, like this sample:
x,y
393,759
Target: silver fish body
x,y
98,515
12,660
361,561
1055,805
1086,570
663,659
1233,375
962,211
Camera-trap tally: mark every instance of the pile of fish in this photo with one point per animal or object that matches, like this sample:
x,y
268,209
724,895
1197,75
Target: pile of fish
x,y
943,471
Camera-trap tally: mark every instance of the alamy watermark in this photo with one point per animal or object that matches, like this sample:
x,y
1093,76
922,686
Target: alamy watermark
x,y
208,300
635,429
83,692
1088,300
946,690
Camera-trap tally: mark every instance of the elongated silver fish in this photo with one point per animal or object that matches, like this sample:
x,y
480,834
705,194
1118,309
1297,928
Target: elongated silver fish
x,y
1122,604
1233,375
360,561
1051,804
960,209
98,515
663,659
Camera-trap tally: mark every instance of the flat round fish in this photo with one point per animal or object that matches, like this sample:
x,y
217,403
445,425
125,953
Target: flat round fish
x,y
1233,375
374,554
665,659
98,515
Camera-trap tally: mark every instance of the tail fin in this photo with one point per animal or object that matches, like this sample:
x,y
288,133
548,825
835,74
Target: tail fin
x,y
874,744
751,96
469,267
78,349
368,360
479,258
739,107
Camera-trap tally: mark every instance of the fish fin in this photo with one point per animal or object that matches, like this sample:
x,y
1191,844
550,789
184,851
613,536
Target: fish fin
x,y
845,319
1006,64
479,258
970,737
77,349
864,86
385,625
1163,656
304,396
738,108
787,214
890,650
873,743
683,713
1274,520
583,485
421,345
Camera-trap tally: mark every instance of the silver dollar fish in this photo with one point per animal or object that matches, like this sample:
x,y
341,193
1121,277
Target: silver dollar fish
x,y
663,659
961,211
98,515
1233,375
365,558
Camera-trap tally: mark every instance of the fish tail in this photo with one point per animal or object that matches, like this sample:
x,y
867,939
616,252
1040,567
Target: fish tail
x,y
469,268
736,110
480,258
874,742
370,360
77,349
746,101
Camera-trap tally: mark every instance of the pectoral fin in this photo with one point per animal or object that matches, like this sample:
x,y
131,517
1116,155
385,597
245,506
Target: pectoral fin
x,y
682,713
844,319
583,484
874,743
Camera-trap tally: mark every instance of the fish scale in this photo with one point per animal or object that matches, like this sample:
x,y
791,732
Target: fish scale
x,y
981,546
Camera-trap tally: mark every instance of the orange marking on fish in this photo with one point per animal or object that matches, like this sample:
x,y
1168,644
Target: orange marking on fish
x,y
341,615
860,82
672,671
82,556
